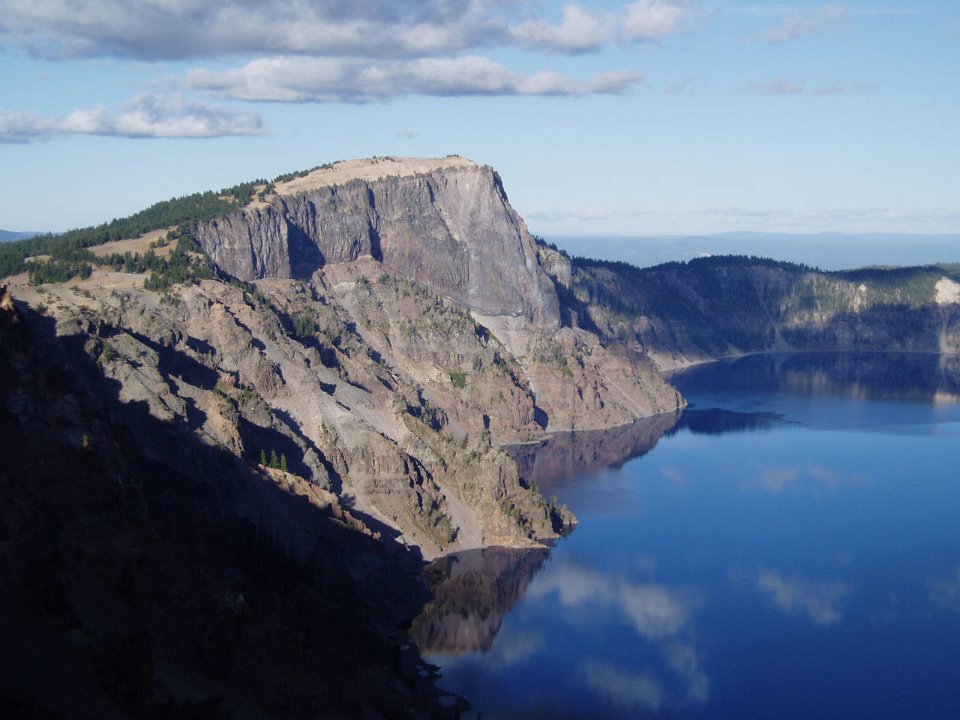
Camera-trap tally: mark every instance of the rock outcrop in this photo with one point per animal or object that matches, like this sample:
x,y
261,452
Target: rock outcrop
x,y
445,223
378,330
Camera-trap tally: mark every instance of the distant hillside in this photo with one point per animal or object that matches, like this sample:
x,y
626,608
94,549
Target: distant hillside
x,y
10,235
70,247
683,312
827,251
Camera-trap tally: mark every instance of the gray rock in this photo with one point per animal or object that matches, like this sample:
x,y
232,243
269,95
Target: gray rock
x,y
452,229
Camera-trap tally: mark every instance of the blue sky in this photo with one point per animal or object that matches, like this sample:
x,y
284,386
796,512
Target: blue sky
x,y
634,118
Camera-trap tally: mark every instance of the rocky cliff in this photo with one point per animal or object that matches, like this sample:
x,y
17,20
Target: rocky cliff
x,y
445,226
445,223
169,578
402,327
681,313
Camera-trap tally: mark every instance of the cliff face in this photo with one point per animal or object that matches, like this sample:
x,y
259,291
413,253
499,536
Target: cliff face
x,y
277,373
444,225
421,330
450,228
715,307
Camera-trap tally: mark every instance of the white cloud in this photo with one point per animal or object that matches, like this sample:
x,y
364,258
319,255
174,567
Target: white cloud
x,y
779,86
583,31
819,600
185,29
953,28
299,79
655,18
178,29
580,31
586,213
796,25
20,127
146,116
699,221
782,86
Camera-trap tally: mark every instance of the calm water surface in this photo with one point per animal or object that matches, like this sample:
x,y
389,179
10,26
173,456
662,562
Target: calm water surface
x,y
788,547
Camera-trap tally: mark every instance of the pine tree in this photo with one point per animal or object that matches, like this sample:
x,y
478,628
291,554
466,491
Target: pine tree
x,y
263,457
274,460
283,463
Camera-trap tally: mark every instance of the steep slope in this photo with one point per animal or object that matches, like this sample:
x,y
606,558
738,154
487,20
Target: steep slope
x,y
180,582
715,307
225,363
443,225
402,326
425,335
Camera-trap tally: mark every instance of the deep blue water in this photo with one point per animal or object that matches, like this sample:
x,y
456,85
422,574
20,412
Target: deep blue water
x,y
789,548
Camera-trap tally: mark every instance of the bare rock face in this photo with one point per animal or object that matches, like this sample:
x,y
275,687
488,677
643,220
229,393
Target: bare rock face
x,y
284,374
400,327
450,227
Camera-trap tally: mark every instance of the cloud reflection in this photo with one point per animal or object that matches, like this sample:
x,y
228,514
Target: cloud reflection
x,y
660,614
776,479
684,660
945,593
819,600
812,478
655,611
621,689
517,648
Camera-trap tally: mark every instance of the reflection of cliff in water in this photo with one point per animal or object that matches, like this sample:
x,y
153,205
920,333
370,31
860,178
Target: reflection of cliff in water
x,y
561,459
472,593
717,421
868,376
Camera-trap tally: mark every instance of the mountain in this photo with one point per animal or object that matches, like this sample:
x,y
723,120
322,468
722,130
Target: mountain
x,y
10,235
687,312
383,326
827,251
445,223
235,437
237,423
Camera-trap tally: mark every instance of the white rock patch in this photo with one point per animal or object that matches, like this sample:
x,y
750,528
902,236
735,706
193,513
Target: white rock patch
x,y
948,292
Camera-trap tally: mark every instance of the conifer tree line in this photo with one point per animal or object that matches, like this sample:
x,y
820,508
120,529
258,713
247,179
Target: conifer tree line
x,y
185,211
276,462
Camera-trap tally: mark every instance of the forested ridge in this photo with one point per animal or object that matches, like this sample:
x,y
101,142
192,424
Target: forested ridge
x,y
68,252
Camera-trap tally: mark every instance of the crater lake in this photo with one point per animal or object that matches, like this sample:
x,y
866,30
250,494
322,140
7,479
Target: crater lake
x,y
787,546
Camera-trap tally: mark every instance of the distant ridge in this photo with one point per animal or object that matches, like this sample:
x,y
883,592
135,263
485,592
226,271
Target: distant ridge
x,y
827,251
10,235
